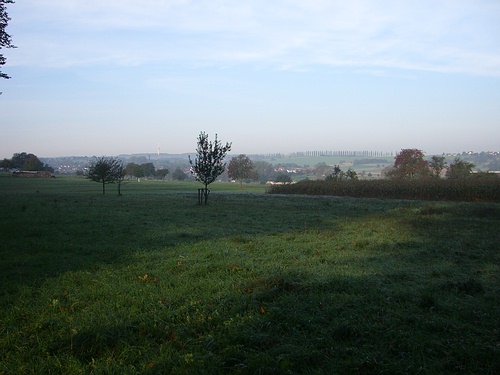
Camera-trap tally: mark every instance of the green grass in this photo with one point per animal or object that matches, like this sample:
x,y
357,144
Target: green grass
x,y
151,282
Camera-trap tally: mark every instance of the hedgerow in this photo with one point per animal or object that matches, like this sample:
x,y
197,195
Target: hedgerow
x,y
471,189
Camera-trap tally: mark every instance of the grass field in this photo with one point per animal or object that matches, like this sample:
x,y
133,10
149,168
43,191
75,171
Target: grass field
x,y
252,283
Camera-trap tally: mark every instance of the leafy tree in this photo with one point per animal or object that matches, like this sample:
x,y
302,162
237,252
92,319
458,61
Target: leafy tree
x,y
265,171
148,169
209,161
106,171
161,173
409,164
283,177
459,169
130,169
351,175
339,175
32,163
241,167
322,170
436,165
494,165
178,174
135,170
25,162
5,39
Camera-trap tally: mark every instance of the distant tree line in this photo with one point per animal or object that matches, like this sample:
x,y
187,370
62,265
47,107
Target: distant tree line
x,y
145,170
342,153
25,162
109,170
411,164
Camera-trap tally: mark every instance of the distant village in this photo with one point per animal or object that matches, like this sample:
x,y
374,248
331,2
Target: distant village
x,y
368,164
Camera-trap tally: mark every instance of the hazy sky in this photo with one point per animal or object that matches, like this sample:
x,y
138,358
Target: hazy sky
x,y
105,77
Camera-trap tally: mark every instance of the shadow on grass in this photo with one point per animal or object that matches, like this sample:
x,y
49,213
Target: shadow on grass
x,y
291,323
368,286
45,235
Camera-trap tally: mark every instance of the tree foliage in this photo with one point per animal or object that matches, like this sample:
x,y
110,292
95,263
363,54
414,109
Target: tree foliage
x,y
436,165
323,170
459,169
283,177
161,173
209,161
5,38
409,164
135,170
178,174
149,169
339,175
241,167
25,162
145,170
106,170
265,171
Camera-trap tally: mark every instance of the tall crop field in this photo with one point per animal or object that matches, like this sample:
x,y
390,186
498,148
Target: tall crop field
x,y
467,190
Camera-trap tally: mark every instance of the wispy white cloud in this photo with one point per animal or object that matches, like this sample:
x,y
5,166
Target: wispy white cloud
x,y
446,36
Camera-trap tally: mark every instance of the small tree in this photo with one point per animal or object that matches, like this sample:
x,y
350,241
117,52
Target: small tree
x,y
241,167
436,165
130,169
283,177
339,175
322,170
209,161
120,173
148,169
106,171
265,171
459,169
178,174
161,173
351,174
409,164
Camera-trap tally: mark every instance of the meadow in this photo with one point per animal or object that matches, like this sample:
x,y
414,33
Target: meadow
x,y
153,283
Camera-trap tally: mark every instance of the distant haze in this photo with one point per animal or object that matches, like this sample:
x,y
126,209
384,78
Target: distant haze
x,y
116,77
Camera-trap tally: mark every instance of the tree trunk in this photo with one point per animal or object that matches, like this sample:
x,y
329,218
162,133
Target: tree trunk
x,y
206,192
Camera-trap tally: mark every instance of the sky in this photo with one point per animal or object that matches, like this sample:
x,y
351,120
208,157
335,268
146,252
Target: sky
x,y
103,78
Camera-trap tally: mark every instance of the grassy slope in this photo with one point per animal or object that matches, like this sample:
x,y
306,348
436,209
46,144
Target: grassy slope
x,y
152,282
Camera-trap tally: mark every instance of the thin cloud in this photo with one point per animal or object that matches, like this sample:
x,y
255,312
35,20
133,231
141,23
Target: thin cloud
x,y
446,36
